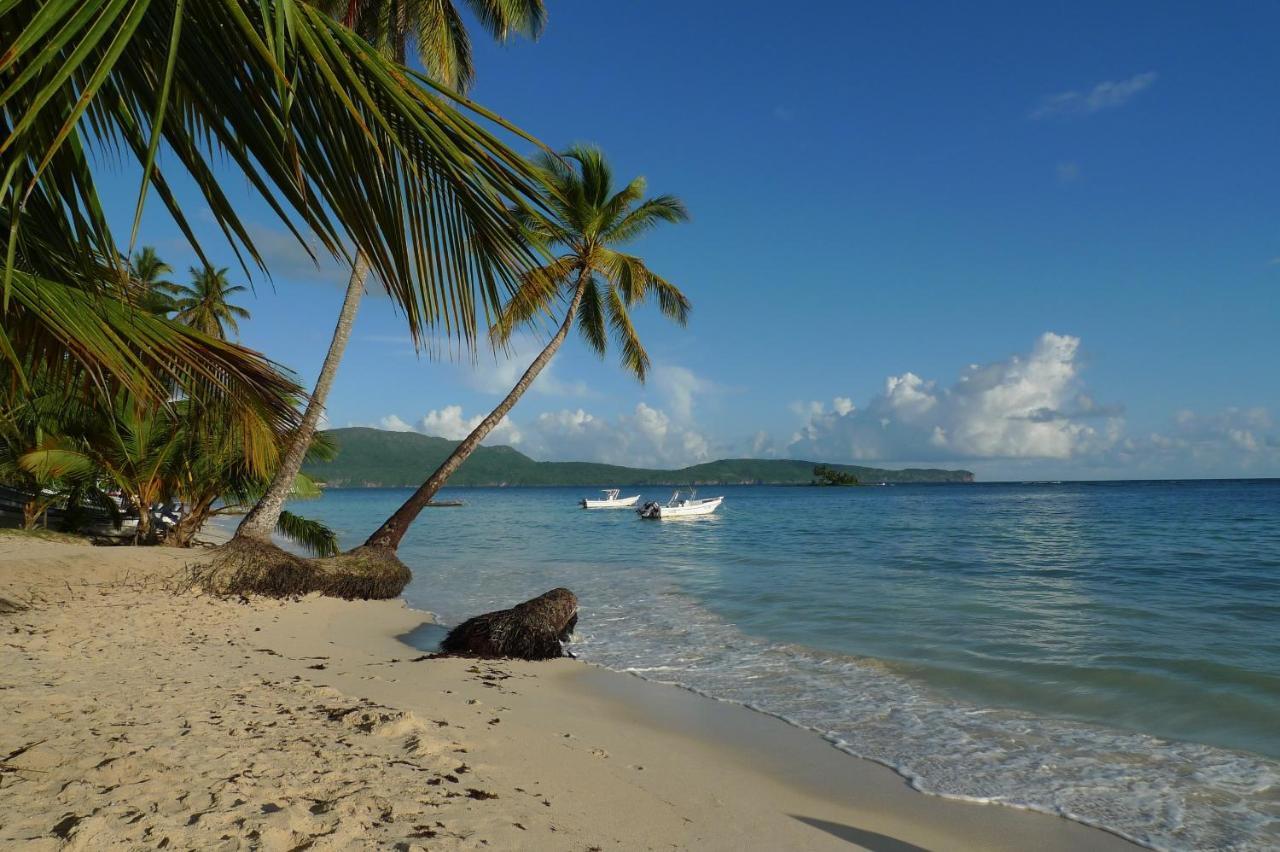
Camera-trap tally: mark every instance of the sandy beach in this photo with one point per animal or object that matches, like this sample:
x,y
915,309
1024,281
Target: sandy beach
x,y
138,716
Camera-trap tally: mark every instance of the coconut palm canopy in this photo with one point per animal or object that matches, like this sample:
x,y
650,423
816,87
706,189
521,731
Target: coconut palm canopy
x,y
204,303
341,143
147,271
589,220
436,28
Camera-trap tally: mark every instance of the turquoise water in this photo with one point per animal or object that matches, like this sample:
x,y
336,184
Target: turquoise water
x,y
1106,651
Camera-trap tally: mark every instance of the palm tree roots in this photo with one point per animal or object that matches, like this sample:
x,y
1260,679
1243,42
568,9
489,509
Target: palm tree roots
x,y
533,630
250,566
365,573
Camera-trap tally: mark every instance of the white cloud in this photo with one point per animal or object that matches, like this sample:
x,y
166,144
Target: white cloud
x,y
1108,94
645,437
393,423
1233,441
498,374
680,387
1027,406
449,422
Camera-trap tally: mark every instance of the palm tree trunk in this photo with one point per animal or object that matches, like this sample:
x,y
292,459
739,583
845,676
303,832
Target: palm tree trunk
x,y
263,517
388,535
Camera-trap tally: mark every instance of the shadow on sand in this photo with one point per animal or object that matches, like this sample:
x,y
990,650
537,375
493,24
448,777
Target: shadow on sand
x,y
867,839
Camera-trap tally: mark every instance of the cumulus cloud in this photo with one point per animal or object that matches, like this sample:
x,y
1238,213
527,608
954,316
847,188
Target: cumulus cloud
x,y
450,422
664,435
1236,440
644,437
1026,406
1109,94
392,423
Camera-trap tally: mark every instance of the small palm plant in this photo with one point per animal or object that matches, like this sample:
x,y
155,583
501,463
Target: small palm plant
x,y
588,222
203,304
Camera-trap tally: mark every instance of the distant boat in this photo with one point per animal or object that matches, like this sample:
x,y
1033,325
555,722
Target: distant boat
x,y
611,500
681,508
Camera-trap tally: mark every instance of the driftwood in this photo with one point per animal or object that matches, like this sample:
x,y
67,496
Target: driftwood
x,y
533,630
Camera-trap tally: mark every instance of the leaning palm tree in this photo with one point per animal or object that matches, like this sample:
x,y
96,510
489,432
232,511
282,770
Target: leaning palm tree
x,y
203,304
155,292
589,220
391,25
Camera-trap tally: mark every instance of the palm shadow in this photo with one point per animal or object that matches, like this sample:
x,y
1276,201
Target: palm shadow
x,y
872,840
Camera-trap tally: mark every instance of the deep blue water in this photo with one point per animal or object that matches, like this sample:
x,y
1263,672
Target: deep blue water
x,y
1108,651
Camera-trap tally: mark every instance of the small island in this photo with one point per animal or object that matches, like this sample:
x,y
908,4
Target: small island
x,y
827,475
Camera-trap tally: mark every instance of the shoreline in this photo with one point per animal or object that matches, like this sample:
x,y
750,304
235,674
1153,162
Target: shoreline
x,y
558,755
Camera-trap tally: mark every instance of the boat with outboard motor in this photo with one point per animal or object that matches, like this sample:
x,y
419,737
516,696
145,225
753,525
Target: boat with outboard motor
x,y
678,507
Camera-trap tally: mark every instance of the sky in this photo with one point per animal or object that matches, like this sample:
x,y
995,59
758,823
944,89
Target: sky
x,y
1034,241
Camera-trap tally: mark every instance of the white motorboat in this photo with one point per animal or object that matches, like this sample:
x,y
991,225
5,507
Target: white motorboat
x,y
611,500
678,507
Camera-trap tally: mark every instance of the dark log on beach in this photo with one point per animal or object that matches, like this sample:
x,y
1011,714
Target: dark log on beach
x,y
533,630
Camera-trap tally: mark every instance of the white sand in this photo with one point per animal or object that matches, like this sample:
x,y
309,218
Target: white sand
x,y
137,718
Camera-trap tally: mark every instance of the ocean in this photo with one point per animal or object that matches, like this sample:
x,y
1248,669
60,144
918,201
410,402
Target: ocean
x,y
1108,651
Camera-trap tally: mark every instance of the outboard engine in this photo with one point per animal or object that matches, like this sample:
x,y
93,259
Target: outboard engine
x,y
649,510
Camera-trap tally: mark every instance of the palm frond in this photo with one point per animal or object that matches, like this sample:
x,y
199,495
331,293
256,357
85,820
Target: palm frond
x,y
635,359
57,458
646,216
673,303
535,295
305,488
315,537
336,139
591,318
68,331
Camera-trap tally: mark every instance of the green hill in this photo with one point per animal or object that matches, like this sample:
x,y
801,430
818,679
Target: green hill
x,y
373,458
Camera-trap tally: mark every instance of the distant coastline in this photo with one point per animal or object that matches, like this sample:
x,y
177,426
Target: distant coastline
x,y
376,458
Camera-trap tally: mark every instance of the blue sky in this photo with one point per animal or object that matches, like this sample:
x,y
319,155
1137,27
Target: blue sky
x,y
1032,242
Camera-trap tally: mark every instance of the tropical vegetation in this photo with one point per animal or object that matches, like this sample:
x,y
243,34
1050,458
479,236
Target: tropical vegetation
x,y
120,388
586,220
101,463
827,475
205,304
443,44
155,293
351,152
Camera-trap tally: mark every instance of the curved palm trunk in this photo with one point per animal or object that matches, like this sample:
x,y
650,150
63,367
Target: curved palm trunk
x,y
388,535
263,517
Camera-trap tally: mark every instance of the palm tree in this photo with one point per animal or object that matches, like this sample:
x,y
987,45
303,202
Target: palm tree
x,y
155,292
588,221
203,304
446,54
437,30
349,150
